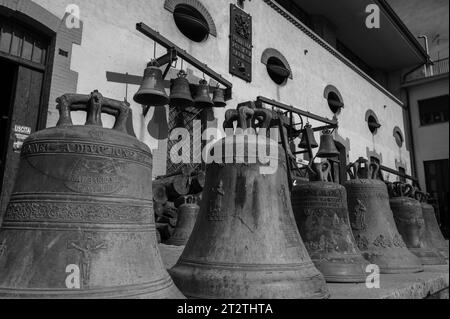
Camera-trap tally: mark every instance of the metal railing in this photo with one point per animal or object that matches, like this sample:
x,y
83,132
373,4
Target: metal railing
x,y
440,66
437,68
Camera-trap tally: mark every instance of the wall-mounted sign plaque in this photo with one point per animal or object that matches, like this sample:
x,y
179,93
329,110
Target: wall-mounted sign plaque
x,y
241,44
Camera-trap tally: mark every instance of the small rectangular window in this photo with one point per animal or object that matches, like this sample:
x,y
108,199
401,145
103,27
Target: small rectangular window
x,y
434,111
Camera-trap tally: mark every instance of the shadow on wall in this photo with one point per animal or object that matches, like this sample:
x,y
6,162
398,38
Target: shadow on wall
x,y
158,128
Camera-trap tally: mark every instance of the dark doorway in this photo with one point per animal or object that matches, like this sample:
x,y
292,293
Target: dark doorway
x,y
7,80
23,64
22,120
436,174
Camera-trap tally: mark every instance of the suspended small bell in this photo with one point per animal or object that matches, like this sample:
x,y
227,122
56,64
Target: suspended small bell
x,y
203,99
327,146
180,93
152,92
219,98
308,135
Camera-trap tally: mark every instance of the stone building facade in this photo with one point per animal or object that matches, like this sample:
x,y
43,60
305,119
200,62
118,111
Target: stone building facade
x,y
105,52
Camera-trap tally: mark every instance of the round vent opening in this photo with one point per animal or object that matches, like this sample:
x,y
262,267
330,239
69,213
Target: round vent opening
x,y
278,72
191,22
373,124
399,139
335,103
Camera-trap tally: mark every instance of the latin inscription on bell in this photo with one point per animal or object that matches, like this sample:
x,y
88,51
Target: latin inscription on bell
x,y
95,176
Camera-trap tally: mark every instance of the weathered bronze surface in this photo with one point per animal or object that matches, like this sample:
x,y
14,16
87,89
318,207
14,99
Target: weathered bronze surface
x,y
245,244
219,98
320,209
373,223
411,224
433,233
83,201
308,137
180,93
187,216
152,92
327,146
203,98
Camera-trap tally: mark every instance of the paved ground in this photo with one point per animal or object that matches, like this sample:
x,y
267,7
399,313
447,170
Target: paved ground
x,y
411,286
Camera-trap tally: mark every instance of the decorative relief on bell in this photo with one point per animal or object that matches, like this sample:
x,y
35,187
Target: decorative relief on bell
x,y
362,242
358,216
3,248
215,208
87,246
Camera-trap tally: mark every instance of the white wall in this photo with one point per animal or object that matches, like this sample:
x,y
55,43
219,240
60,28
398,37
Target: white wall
x,y
431,142
111,43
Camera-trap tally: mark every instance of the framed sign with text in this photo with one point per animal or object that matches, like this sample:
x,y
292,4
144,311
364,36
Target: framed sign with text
x,y
241,44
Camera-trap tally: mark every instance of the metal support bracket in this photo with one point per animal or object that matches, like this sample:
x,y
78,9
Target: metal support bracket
x,y
176,52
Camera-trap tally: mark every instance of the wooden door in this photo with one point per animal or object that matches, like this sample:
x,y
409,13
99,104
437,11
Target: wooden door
x,y
22,122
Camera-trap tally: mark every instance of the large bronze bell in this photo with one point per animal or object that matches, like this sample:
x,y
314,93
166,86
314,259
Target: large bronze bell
x,y
180,93
219,98
433,233
308,136
152,92
320,209
410,222
187,216
327,146
245,244
373,222
203,98
80,222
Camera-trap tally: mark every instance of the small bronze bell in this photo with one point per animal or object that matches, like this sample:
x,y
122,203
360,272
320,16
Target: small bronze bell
x,y
203,99
373,222
327,146
410,222
308,135
320,209
219,98
187,216
152,92
433,233
180,93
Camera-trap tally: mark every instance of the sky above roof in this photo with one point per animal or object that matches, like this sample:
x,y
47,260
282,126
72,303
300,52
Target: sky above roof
x,y
427,17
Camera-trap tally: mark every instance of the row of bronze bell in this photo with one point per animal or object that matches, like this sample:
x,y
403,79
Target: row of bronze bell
x,y
87,208
153,93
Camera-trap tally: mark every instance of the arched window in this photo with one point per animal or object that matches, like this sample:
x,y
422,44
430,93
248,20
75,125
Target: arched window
x,y
277,65
334,99
398,135
372,122
192,19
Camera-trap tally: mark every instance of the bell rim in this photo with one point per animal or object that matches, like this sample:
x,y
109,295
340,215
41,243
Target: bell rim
x,y
162,100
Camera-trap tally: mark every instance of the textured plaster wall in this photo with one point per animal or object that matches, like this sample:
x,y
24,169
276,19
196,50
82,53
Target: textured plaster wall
x,y
111,43
432,142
